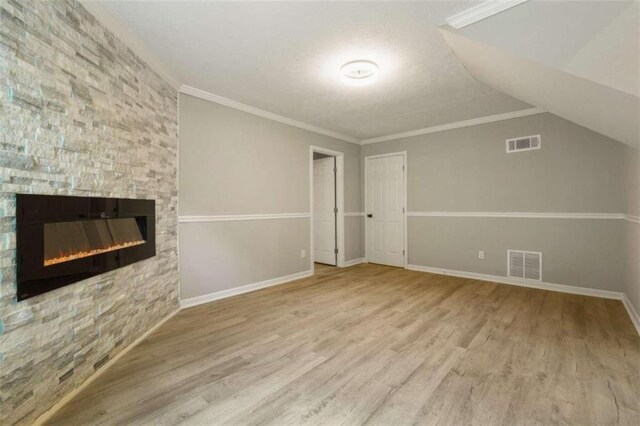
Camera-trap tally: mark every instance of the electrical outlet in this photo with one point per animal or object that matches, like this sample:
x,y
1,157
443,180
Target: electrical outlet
x,y
481,254
303,253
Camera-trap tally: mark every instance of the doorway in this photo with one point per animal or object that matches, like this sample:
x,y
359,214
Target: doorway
x,y
325,210
385,209
326,205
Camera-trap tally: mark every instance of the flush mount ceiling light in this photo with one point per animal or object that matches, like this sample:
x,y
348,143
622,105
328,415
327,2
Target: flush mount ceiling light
x,y
359,70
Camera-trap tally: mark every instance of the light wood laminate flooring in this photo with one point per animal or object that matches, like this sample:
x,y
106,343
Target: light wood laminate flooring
x,y
378,345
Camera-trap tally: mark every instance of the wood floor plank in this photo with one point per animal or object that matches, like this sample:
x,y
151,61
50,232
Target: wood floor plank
x,y
377,345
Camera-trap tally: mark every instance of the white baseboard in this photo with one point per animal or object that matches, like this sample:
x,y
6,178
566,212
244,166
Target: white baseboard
x,y
47,415
223,294
606,294
633,314
355,262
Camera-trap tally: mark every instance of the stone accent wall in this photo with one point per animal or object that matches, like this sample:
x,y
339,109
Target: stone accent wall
x,y
80,114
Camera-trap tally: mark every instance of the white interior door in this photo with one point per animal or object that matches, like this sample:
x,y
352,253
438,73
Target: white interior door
x,y
385,210
324,215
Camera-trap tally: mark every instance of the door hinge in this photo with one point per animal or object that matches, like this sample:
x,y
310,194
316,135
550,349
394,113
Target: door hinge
x,y
403,252
335,251
335,170
335,210
403,168
403,210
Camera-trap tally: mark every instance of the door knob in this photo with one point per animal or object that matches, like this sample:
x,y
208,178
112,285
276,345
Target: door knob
x,y
370,215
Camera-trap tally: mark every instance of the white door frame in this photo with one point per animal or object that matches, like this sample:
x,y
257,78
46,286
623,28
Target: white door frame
x,y
404,202
339,201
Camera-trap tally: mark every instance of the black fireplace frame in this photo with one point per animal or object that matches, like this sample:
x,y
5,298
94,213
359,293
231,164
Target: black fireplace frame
x,y
34,211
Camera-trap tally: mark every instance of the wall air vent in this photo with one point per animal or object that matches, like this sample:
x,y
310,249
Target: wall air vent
x,y
524,264
525,143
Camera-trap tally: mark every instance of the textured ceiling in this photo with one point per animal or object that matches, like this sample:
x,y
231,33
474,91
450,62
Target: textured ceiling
x,y
284,57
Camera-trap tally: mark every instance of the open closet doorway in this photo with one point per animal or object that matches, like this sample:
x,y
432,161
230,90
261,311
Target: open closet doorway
x,y
327,201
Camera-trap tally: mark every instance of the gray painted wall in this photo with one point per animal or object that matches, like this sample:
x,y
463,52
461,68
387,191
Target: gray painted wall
x,y
225,152
231,162
221,255
467,169
354,246
632,184
583,253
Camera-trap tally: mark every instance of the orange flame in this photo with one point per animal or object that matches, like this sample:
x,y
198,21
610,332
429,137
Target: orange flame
x,y
81,254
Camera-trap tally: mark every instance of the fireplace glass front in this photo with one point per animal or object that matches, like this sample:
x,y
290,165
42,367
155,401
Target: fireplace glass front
x,y
61,240
67,241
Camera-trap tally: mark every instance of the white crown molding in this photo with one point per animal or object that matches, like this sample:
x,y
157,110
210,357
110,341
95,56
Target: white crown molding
x,y
585,291
529,215
192,91
455,125
480,12
238,217
128,37
199,300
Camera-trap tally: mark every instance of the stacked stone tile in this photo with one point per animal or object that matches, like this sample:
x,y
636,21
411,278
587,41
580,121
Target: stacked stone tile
x,y
80,114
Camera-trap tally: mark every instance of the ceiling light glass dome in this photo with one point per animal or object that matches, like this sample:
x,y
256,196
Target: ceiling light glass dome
x,y
359,70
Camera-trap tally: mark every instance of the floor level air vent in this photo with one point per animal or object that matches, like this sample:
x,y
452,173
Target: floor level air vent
x,y
525,143
525,264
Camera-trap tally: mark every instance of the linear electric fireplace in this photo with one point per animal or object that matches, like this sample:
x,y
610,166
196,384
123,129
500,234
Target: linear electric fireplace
x,y
61,240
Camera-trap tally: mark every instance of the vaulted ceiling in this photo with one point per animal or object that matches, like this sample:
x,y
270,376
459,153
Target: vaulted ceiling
x,y
595,40
577,59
